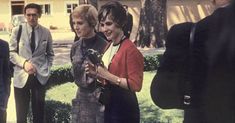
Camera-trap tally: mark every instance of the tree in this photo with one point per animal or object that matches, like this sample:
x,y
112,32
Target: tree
x,y
153,25
92,2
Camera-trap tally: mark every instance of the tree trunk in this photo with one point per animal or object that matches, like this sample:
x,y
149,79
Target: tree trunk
x,y
153,25
92,2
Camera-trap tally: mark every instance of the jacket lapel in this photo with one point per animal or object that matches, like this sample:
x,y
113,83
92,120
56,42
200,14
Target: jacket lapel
x,y
39,41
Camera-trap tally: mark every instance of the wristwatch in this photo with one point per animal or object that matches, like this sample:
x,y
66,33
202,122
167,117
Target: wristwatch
x,y
118,81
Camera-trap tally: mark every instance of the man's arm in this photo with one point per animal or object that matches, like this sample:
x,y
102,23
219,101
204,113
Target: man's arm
x,y
14,56
5,75
50,52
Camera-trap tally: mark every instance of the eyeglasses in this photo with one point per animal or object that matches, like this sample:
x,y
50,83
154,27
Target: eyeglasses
x,y
33,15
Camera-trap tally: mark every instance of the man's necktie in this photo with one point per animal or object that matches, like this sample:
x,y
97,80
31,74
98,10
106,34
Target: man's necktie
x,y
32,40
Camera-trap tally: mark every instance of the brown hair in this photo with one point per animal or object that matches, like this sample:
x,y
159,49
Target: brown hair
x,y
115,10
34,6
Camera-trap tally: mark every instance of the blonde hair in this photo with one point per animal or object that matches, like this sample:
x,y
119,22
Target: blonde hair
x,y
87,12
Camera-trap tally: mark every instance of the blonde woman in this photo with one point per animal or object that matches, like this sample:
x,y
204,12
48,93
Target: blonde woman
x,y
86,107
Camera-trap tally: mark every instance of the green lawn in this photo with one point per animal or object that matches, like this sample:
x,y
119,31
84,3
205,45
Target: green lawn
x,y
149,112
3,32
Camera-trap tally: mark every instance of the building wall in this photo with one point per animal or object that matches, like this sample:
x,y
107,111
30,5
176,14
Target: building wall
x,y
58,18
177,11
5,17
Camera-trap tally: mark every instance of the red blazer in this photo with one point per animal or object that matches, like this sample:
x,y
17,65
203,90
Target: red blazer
x,y
128,63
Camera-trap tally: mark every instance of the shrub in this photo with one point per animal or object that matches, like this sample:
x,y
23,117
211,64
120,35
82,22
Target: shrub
x,y
55,112
151,62
60,74
53,27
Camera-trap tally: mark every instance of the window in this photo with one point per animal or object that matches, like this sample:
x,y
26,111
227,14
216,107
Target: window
x,y
70,7
46,9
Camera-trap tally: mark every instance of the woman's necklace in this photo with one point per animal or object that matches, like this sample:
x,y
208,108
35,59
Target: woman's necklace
x,y
120,41
111,52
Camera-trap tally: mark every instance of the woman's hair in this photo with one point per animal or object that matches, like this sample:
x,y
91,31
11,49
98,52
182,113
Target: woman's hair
x,y
87,12
115,11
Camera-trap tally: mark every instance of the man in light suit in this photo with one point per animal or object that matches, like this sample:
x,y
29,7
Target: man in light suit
x,y
32,64
4,79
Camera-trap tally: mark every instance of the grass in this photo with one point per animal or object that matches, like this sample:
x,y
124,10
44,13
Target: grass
x,y
63,93
3,32
150,113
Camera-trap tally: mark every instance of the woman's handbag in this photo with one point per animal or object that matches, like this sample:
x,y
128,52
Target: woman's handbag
x,y
96,58
171,87
105,95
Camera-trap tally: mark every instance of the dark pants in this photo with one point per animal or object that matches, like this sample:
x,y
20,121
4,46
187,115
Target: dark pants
x,y
3,116
195,115
35,92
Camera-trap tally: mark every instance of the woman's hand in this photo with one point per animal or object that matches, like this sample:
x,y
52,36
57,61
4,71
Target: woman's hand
x,y
90,69
99,72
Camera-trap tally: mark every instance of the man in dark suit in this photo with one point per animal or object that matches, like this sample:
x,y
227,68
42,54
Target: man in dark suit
x,y
215,91
4,79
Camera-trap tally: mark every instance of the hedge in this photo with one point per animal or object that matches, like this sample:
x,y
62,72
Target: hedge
x,y
57,112
62,73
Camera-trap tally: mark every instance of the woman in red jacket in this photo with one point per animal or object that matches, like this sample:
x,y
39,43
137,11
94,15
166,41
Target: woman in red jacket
x,y
123,67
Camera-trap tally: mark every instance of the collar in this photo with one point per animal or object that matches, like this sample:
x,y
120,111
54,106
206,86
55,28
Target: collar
x,y
30,27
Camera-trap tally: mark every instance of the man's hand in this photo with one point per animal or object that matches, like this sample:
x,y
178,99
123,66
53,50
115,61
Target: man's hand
x,y
29,68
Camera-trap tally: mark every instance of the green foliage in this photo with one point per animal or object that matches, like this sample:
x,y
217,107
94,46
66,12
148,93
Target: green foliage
x,y
57,112
151,62
64,93
60,74
149,112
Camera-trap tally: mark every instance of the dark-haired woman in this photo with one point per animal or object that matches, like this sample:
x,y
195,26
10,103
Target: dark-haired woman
x,y
123,67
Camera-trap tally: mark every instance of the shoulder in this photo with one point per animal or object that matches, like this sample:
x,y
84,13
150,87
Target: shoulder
x,y
16,29
178,34
3,48
76,45
180,26
127,43
3,43
44,28
129,47
101,38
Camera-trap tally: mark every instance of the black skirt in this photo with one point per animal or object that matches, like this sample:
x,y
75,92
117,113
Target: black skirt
x,y
123,106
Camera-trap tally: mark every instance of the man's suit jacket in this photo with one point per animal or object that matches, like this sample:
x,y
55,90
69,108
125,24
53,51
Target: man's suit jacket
x,y
215,41
4,74
41,58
